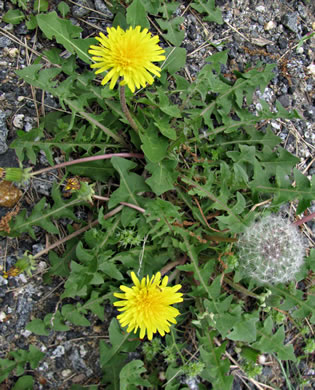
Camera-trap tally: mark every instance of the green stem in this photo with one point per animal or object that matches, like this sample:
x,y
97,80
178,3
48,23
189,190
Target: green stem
x,y
125,109
194,261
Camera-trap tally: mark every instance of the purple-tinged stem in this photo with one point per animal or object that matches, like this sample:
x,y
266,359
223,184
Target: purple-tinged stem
x,y
132,206
125,109
86,159
304,219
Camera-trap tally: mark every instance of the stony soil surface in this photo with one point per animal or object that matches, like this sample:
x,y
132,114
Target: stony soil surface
x,y
261,30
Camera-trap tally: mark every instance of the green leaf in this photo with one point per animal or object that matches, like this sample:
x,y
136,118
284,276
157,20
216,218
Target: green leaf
x,y
21,3
119,343
208,7
65,33
163,177
40,5
31,23
130,376
164,126
94,304
56,322
269,342
72,314
63,8
39,78
42,214
174,35
25,382
154,146
245,329
130,183
38,327
13,16
216,369
136,15
6,366
295,298
110,269
175,59
284,191
100,170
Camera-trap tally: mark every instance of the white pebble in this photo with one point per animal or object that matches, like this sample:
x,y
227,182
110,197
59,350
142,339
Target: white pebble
x,y
260,8
270,25
22,278
18,121
66,373
26,333
2,316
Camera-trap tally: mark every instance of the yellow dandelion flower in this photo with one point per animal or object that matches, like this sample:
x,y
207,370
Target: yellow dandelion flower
x,y
129,55
147,305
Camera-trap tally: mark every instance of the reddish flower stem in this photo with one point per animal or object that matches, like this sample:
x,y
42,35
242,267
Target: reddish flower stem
x,y
125,109
86,159
304,219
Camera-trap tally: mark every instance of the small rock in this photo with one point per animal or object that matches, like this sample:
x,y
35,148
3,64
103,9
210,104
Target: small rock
x,y
83,8
58,352
3,281
3,316
18,121
276,125
302,11
284,100
66,373
311,70
309,113
4,42
3,133
13,52
283,43
100,6
260,8
270,25
290,21
23,278
26,333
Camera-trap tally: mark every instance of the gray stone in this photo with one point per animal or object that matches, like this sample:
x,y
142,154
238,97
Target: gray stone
x,y
5,42
290,21
3,133
285,100
100,6
283,43
81,10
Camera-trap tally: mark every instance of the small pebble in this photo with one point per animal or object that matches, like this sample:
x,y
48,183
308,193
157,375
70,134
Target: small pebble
x,y
66,373
23,278
311,70
260,8
13,52
270,25
2,316
26,333
18,121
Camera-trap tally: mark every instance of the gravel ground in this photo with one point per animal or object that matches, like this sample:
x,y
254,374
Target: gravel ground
x,y
267,31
